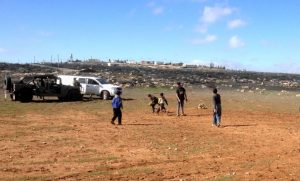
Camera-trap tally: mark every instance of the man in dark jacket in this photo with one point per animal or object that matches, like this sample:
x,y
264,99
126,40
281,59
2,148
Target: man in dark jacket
x,y
154,102
117,106
217,109
181,97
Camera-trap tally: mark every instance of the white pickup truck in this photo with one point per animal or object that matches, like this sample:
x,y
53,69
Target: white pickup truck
x,y
91,85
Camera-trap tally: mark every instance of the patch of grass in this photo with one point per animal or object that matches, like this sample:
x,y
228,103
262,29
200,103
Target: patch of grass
x,y
64,141
91,159
20,133
202,148
13,122
105,170
50,128
97,173
96,159
136,170
223,178
149,90
14,135
32,178
164,145
10,108
141,100
199,149
43,162
111,158
103,167
90,150
268,161
248,165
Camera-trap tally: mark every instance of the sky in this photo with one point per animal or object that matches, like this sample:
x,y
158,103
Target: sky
x,y
250,35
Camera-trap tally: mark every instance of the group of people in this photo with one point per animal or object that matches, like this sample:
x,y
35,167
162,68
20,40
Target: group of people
x,y
159,105
160,102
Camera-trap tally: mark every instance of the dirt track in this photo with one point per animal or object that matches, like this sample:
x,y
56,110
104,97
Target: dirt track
x,y
79,143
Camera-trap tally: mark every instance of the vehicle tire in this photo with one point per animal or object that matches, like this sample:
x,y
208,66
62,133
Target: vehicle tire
x,y
105,95
8,83
26,95
61,98
14,97
74,95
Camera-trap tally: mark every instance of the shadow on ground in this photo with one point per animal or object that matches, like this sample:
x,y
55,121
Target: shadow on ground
x,y
238,125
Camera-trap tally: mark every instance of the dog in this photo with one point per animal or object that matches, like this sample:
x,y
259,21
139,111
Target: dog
x,y
202,106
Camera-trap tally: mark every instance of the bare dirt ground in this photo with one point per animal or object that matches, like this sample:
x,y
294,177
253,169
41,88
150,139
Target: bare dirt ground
x,y
259,139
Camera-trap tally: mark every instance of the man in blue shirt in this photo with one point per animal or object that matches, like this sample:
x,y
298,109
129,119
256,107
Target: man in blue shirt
x,y
117,106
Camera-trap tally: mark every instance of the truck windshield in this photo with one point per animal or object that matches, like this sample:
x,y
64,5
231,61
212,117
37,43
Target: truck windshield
x,y
102,81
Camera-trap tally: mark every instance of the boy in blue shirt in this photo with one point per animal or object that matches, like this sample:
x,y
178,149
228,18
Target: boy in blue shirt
x,y
117,106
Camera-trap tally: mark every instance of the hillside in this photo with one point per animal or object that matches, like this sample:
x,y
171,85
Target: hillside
x,y
162,76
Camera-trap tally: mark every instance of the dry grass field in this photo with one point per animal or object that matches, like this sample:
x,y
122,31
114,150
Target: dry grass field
x,y
259,139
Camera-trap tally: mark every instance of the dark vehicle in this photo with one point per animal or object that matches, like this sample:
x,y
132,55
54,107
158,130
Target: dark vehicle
x,y
41,86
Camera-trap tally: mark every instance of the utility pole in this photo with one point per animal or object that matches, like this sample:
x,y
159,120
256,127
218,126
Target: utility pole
x,y
71,57
57,62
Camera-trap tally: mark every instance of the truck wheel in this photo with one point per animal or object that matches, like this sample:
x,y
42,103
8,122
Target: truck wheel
x,y
74,95
14,97
61,98
26,95
8,83
105,95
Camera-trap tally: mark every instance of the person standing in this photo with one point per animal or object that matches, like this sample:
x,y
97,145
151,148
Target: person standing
x,y
181,97
217,109
117,106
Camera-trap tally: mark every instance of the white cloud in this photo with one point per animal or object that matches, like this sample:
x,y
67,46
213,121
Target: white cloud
x,y
237,23
206,40
212,14
236,42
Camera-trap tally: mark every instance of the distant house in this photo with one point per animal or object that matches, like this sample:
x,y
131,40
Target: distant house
x,y
189,66
144,62
158,63
119,61
132,62
177,64
112,64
